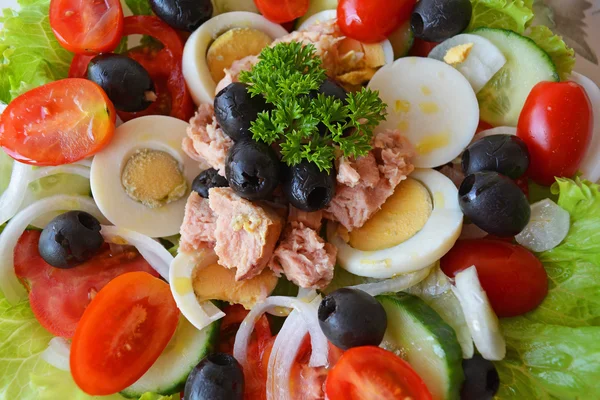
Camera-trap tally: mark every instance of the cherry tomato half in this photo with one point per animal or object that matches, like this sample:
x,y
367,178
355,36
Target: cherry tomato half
x,y
372,21
87,27
514,279
422,48
372,373
556,124
280,11
59,123
122,332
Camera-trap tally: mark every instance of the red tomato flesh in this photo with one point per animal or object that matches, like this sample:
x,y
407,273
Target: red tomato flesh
x,y
514,279
58,123
556,124
58,297
87,27
280,11
372,21
122,333
422,48
372,373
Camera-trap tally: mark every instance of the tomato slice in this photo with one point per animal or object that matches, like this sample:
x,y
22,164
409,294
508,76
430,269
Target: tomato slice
x,y
514,280
79,64
122,333
280,11
58,123
58,297
372,373
87,27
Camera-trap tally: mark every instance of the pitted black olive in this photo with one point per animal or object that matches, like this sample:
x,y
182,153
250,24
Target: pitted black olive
x,y
438,20
308,188
207,180
235,110
185,15
505,154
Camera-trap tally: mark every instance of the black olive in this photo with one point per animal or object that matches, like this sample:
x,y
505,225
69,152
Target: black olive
x,y
126,83
235,110
217,377
70,239
351,318
207,180
506,154
252,169
494,203
481,379
185,15
438,20
308,188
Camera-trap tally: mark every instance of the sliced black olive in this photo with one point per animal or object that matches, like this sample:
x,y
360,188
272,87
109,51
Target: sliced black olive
x,y
438,20
308,188
207,180
506,154
185,15
494,203
70,239
351,318
481,379
217,377
235,110
126,83
252,169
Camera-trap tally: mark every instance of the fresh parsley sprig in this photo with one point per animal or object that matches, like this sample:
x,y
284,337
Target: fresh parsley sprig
x,y
285,76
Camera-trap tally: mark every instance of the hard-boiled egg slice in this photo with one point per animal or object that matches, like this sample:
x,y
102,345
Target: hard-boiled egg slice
x,y
435,239
195,67
327,15
590,165
155,135
430,103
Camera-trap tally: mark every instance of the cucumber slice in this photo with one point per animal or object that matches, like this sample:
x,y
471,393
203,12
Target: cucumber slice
x,y
314,7
426,342
224,6
402,40
185,350
502,99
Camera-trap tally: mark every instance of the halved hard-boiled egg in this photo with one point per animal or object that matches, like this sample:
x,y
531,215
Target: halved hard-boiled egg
x,y
416,226
142,179
430,103
219,42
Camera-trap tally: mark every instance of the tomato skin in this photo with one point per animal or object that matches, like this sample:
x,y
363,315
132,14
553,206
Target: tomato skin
x,y
372,373
49,125
122,333
79,64
422,48
372,21
556,124
513,278
281,11
87,27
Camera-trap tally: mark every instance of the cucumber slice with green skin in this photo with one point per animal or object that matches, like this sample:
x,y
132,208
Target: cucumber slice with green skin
x,y
426,342
402,40
315,7
168,374
502,99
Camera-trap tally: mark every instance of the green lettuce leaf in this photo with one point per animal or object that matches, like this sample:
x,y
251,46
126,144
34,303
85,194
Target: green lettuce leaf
x,y
553,351
139,7
562,55
30,55
514,15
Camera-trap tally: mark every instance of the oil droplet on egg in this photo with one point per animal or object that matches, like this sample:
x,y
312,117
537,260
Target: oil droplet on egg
x,y
432,143
425,90
429,107
402,106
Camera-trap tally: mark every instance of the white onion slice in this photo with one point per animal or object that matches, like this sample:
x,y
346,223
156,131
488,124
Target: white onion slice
x,y
481,319
9,284
309,314
500,130
548,226
394,285
590,166
13,196
153,252
57,353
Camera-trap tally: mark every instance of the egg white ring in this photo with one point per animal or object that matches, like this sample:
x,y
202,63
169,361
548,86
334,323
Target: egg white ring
x,y
150,132
180,277
435,239
195,68
327,15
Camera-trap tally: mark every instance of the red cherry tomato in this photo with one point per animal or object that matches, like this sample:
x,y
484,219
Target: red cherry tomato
x,y
372,373
372,21
58,297
514,279
79,64
280,11
122,333
59,123
556,124
422,48
87,27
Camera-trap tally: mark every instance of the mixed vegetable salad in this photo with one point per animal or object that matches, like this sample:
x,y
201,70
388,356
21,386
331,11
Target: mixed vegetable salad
x,y
294,199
